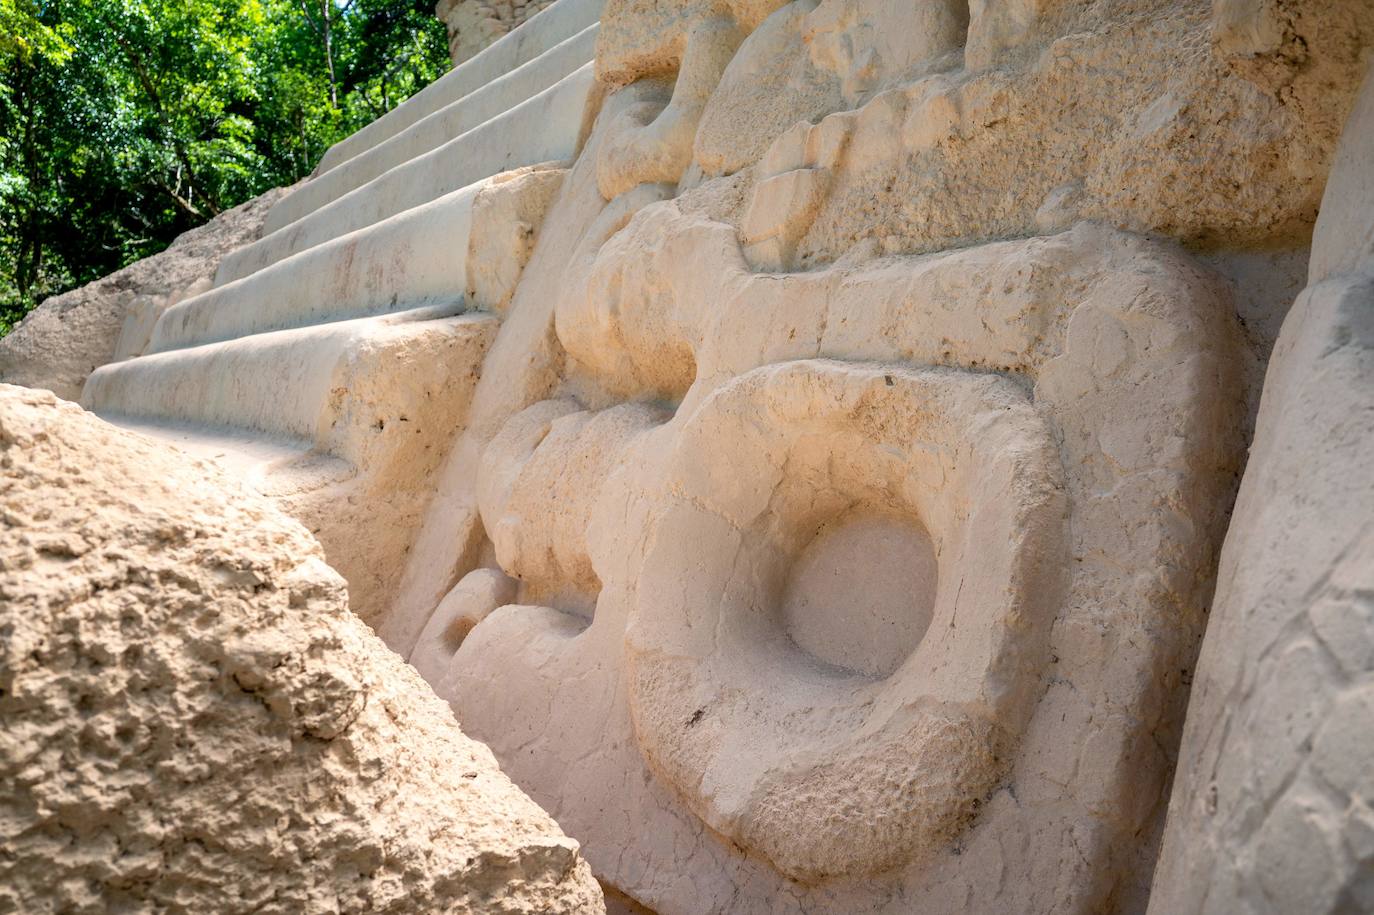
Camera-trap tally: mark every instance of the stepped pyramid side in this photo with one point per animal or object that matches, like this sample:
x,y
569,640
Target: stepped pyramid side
x,y
334,357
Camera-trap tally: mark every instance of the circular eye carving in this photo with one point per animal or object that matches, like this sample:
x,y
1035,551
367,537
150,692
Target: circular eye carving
x,y
842,607
892,558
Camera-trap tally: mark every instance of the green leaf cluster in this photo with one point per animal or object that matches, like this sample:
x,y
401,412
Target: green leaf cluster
x,y
126,122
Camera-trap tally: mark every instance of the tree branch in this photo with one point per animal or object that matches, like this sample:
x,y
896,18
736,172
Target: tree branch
x,y
305,8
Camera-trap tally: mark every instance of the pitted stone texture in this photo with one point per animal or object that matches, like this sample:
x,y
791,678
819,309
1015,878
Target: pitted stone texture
x,y
857,147
522,368
642,38
378,398
1310,54
70,335
1271,806
1125,103
685,46
811,58
194,721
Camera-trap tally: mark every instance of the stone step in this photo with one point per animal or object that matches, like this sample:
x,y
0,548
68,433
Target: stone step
x,y
414,259
269,464
546,127
433,131
543,31
335,385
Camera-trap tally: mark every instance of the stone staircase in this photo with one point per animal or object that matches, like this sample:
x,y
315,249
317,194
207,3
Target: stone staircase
x,y
343,335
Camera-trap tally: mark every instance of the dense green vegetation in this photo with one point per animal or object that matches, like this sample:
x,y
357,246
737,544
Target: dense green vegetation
x,y
125,122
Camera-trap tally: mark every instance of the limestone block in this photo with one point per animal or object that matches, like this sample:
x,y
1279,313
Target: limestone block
x,y
521,369
281,379
336,377
428,133
1159,137
195,721
546,127
779,215
357,409
417,258
871,45
472,27
398,264
823,767
540,482
998,29
506,216
770,84
140,318
1299,49
1270,804
364,409
693,41
661,150
809,59
1343,239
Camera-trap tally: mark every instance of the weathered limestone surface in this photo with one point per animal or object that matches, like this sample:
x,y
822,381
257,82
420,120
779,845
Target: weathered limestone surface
x,y
475,24
544,127
1273,806
68,336
799,436
194,721
670,669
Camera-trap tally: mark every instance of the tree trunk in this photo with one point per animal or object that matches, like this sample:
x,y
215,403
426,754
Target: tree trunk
x,y
328,33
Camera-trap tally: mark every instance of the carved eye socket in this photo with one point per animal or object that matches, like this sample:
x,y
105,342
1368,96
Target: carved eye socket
x,y
861,594
842,614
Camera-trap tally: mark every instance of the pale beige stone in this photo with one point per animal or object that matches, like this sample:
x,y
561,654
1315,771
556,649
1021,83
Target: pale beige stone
x,y
827,769
821,478
194,721
506,216
461,117
1274,776
780,213
673,549
548,126
563,21
473,599
359,412
474,25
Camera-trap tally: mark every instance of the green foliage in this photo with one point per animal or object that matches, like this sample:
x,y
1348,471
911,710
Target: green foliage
x,y
126,122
